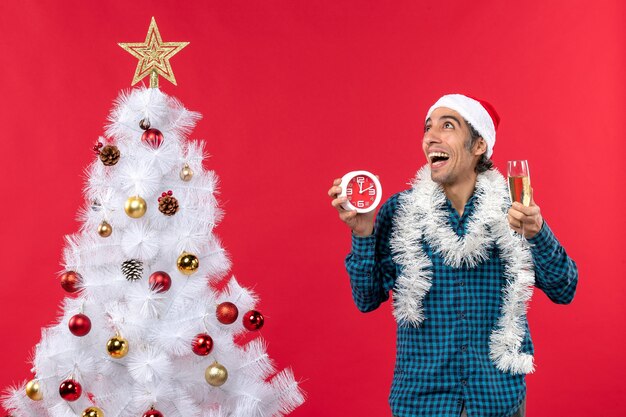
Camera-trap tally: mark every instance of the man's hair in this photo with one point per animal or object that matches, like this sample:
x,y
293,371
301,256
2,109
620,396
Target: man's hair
x,y
484,163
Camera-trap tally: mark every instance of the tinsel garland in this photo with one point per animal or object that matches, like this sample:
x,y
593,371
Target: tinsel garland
x,y
421,216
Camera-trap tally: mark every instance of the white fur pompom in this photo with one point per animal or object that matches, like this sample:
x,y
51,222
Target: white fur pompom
x,y
139,241
147,363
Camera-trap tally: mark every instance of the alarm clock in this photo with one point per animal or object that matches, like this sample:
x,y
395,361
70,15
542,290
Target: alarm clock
x,y
362,189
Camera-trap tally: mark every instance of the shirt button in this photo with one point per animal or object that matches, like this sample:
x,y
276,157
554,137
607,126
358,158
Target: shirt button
x,y
464,348
464,381
462,315
462,283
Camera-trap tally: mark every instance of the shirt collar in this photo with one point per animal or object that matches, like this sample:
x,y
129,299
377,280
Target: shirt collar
x,y
467,210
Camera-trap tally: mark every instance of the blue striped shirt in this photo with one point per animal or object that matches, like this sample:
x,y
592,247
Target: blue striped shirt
x,y
445,362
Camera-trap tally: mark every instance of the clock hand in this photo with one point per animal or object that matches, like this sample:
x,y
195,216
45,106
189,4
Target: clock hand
x,y
368,188
360,186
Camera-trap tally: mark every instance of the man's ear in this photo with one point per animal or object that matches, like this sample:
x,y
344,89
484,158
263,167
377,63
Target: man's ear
x,y
480,147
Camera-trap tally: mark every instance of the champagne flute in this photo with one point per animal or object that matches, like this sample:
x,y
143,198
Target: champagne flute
x,y
519,183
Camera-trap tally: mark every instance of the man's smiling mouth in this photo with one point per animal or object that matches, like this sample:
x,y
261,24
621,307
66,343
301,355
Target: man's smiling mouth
x,y
438,158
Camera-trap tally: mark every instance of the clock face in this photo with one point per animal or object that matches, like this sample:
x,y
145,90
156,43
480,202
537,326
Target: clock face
x,y
362,190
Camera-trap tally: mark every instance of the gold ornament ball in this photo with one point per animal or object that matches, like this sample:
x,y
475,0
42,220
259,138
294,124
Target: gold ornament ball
x,y
105,229
187,263
33,390
117,347
216,375
93,412
186,173
135,207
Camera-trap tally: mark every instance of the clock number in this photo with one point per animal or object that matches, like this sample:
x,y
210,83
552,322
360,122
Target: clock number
x,y
372,191
360,179
349,191
360,204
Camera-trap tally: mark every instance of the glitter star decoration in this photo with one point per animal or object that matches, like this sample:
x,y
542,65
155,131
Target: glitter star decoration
x,y
154,56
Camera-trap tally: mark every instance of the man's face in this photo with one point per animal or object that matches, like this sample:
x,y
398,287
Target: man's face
x,y
446,135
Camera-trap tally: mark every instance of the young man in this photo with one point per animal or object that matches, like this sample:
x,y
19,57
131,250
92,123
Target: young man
x,y
461,277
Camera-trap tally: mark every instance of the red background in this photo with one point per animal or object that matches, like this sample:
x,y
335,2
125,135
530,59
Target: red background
x,y
296,93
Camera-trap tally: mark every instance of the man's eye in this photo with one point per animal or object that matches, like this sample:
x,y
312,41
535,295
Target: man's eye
x,y
426,128
448,125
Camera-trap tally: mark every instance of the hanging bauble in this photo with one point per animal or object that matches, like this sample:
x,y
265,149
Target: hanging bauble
x,y
227,313
187,263
253,320
105,229
152,413
109,155
93,412
79,325
70,281
216,375
117,347
168,204
144,124
135,207
160,281
152,137
132,269
33,390
70,390
202,344
186,173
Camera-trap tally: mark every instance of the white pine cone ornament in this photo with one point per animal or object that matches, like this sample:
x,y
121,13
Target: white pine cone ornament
x,y
132,269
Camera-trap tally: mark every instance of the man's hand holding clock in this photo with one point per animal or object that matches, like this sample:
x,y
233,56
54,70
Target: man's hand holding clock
x,y
356,206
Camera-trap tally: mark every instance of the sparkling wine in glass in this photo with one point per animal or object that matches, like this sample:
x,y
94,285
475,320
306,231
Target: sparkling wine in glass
x,y
519,181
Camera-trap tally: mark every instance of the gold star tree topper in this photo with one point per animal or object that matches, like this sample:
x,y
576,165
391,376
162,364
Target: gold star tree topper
x,y
154,56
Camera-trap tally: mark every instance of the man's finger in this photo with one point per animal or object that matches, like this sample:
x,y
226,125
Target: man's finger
x,y
337,181
334,191
516,214
528,211
337,203
515,223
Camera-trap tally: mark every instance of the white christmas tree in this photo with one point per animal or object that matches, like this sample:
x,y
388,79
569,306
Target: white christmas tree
x,y
145,332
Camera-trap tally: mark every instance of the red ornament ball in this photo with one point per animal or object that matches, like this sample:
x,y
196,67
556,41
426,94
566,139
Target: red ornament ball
x,y
253,320
227,313
79,325
70,390
160,281
70,281
153,413
202,344
152,137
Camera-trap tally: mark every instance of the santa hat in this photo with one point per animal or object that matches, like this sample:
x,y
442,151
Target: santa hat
x,y
479,113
